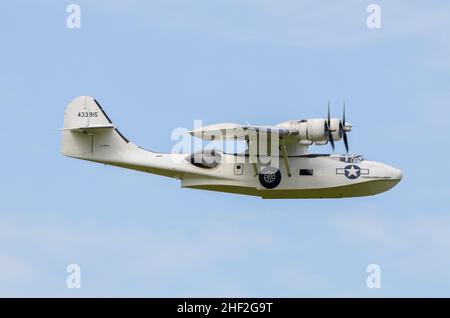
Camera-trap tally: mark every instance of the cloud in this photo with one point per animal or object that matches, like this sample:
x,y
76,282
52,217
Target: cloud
x,y
288,22
14,269
415,246
298,24
145,256
293,277
362,226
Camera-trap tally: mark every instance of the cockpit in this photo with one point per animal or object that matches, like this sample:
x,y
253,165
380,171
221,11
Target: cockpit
x,y
348,158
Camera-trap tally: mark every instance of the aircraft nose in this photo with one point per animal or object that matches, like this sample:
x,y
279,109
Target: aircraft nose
x,y
397,174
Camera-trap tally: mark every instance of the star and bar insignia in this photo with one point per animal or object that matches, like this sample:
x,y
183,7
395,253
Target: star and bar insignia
x,y
352,171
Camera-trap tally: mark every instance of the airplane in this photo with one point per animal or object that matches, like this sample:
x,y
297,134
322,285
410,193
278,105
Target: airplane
x,y
286,171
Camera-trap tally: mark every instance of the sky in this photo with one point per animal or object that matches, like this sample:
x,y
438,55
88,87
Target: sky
x,y
158,65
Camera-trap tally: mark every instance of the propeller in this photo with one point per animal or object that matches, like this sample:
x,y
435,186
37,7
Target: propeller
x,y
344,128
330,132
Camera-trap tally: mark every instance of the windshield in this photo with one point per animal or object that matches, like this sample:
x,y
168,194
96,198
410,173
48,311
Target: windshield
x,y
360,158
352,158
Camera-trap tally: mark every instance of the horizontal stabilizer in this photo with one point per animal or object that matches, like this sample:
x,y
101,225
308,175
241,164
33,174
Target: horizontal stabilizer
x,y
91,128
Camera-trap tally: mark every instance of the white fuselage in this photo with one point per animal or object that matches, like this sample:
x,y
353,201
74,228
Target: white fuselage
x,y
326,176
322,177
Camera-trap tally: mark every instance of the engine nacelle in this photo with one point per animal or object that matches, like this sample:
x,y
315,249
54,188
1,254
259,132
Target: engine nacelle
x,y
317,131
314,130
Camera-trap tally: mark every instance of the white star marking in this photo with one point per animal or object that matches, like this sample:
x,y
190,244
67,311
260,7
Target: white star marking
x,y
352,172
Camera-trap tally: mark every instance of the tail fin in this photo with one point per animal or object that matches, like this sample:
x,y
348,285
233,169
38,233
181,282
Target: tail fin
x,y
88,133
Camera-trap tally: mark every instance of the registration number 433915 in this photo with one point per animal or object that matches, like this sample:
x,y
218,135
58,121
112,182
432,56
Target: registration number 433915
x,y
88,114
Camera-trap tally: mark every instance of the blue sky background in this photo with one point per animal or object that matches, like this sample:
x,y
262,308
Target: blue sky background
x,y
158,65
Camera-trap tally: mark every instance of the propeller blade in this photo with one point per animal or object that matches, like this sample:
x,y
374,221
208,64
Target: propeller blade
x,y
330,134
343,116
345,141
329,119
330,138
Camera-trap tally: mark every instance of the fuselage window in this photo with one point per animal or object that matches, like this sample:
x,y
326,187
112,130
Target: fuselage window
x,y
306,172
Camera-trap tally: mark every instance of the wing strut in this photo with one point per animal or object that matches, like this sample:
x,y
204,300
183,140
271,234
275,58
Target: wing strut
x,y
253,159
285,157
255,169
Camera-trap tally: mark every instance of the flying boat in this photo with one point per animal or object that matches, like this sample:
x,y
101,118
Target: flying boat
x,y
275,165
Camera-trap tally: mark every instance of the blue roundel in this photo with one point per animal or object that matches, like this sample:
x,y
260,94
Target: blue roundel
x,y
352,171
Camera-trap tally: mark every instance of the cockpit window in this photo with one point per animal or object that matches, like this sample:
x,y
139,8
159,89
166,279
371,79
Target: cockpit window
x,y
352,158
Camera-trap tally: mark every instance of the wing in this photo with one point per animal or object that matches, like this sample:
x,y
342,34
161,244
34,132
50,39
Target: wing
x,y
225,131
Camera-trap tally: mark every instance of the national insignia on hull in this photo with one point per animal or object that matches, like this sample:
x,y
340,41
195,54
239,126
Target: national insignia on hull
x,y
352,171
